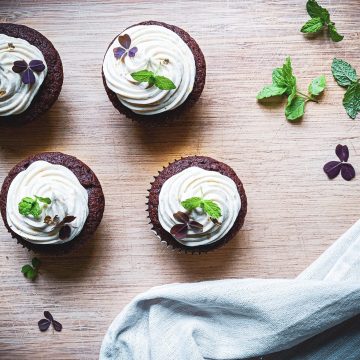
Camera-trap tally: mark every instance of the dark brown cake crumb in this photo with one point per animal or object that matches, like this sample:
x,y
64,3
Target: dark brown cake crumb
x,y
174,168
193,97
50,88
87,179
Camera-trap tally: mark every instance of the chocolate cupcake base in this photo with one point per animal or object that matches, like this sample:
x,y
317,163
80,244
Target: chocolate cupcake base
x,y
174,168
193,97
87,179
50,88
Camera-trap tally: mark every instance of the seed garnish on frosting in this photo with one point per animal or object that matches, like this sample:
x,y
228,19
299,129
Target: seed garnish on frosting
x,y
27,70
179,231
11,46
121,52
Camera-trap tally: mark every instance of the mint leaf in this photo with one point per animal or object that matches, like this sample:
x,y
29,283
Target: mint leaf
x,y
295,109
291,96
192,203
351,100
31,274
43,200
334,35
211,208
270,90
315,10
163,83
278,78
313,25
317,86
26,268
343,72
26,205
35,262
142,75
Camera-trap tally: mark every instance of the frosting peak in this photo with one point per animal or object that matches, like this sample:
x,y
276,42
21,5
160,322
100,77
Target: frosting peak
x,y
68,198
197,182
15,95
159,50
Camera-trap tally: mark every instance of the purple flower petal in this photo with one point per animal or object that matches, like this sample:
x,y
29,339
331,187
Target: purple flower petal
x,y
28,76
57,326
342,152
48,315
37,65
179,231
332,169
124,40
19,66
181,217
119,52
133,51
196,226
347,172
44,324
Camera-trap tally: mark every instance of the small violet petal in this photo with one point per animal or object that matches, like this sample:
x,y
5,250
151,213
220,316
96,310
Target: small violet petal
x,y
44,324
118,52
19,66
124,40
48,315
342,152
57,326
37,65
194,225
179,231
28,77
347,172
181,217
65,232
133,51
332,169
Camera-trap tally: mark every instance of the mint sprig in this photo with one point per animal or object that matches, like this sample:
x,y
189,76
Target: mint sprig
x,y
161,82
320,18
208,206
345,75
29,271
29,206
284,83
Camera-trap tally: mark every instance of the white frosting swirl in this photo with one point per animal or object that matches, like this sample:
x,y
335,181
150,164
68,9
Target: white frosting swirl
x,y
15,96
210,185
68,198
156,44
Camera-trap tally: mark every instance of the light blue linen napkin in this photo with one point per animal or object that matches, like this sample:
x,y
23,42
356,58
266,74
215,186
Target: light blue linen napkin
x,y
244,318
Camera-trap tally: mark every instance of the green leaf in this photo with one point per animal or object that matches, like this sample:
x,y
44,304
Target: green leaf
x,y
313,25
296,109
334,35
278,77
43,200
351,100
291,96
35,262
191,203
164,83
142,75
211,208
315,10
26,268
270,90
31,274
25,205
343,72
287,70
318,85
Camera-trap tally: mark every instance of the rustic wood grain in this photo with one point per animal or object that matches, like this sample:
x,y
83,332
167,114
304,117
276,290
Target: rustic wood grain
x,y
294,212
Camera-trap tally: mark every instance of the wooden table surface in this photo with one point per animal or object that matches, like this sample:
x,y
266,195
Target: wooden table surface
x,y
294,211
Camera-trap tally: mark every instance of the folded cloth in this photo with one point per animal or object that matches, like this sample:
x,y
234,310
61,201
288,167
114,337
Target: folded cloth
x,y
244,318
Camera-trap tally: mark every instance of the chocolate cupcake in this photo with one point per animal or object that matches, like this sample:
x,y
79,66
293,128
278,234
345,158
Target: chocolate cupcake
x,y
51,202
197,204
153,70
31,74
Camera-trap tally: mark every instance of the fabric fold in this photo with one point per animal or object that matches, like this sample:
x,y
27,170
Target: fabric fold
x,y
240,318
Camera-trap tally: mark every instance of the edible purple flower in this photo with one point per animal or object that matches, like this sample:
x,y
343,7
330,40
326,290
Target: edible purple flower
x,y
27,71
45,323
333,168
125,42
179,231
